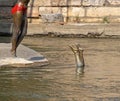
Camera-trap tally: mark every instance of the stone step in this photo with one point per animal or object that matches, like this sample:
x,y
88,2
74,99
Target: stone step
x,y
26,57
6,28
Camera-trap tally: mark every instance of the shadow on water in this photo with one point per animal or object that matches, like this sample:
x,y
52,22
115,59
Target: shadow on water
x,y
58,81
36,58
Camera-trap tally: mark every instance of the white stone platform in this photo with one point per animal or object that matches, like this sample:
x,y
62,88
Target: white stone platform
x,y
26,57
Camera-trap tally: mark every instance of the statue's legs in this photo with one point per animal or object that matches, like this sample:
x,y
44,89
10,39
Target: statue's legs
x,y
23,32
17,20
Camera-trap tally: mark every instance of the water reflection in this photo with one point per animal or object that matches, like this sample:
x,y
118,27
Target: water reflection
x,y
58,81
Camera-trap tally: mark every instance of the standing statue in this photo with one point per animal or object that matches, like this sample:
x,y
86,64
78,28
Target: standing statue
x,y
78,53
19,13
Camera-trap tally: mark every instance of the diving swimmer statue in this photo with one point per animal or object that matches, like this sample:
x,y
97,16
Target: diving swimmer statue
x,y
19,13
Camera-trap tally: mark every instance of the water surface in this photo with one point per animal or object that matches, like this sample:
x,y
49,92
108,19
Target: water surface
x,y
58,81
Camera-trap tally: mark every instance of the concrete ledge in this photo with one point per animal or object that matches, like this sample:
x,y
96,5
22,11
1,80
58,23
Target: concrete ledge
x,y
76,30
26,57
102,30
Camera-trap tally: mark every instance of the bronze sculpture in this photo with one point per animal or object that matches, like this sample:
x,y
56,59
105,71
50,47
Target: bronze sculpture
x,y
78,53
19,24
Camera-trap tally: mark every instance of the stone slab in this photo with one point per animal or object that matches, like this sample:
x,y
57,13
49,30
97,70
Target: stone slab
x,y
93,2
108,29
7,2
5,12
52,17
5,28
103,11
56,3
33,12
59,2
76,12
40,3
75,3
48,10
113,2
75,29
26,57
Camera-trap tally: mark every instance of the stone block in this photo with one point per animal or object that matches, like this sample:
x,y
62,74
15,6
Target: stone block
x,y
40,3
26,57
93,2
64,11
33,12
6,20
58,2
75,3
103,11
48,10
6,28
113,2
5,12
52,18
7,3
72,11
76,12
53,10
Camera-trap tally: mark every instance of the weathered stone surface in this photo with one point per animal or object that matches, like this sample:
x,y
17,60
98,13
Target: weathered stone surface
x,y
7,2
5,12
40,3
80,30
93,20
85,20
36,29
76,29
114,20
35,20
26,57
52,18
33,12
75,3
93,2
53,10
58,2
47,10
76,12
65,2
5,28
4,20
114,2
103,11
64,11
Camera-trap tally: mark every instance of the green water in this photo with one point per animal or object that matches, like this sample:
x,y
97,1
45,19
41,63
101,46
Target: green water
x,y
58,81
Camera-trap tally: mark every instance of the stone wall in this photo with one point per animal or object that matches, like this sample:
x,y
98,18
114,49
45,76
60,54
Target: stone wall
x,y
5,10
76,10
